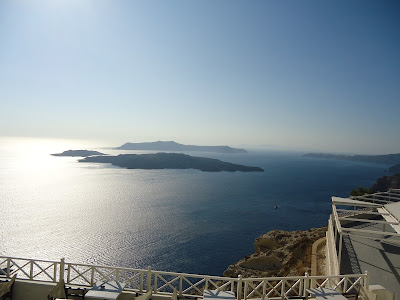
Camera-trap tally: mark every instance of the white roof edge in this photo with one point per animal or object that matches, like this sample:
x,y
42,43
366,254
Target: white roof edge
x,y
389,218
348,201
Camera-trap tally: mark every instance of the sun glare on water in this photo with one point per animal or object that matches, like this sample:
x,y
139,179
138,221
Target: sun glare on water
x,y
32,156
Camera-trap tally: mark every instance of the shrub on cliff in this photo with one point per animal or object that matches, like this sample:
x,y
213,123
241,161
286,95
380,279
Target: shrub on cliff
x,y
361,191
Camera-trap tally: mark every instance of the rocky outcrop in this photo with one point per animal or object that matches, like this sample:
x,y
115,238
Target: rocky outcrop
x,y
278,253
395,169
385,183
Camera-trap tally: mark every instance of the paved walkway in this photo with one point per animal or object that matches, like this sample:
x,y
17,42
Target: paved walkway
x,y
380,259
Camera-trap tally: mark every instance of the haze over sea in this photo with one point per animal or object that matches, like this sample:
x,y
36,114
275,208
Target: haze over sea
x,y
173,220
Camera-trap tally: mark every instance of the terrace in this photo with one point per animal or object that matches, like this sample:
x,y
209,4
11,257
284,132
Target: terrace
x,y
364,231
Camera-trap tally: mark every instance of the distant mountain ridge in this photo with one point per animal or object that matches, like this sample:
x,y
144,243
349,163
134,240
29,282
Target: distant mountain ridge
x,y
173,146
391,159
395,169
81,153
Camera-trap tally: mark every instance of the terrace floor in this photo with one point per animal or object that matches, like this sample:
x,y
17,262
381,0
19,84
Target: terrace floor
x,y
380,259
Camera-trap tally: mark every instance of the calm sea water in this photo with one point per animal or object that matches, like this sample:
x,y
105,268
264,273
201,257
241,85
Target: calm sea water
x,y
172,220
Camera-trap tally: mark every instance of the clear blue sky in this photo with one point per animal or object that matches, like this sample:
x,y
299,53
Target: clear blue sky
x,y
318,75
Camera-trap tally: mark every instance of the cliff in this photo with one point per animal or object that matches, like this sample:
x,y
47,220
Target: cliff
x,y
395,169
173,146
385,183
278,253
382,184
170,161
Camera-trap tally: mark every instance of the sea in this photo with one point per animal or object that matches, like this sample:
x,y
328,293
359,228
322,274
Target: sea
x,y
172,220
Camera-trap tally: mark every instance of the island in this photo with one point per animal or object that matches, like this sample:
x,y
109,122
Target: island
x,y
173,146
78,153
169,161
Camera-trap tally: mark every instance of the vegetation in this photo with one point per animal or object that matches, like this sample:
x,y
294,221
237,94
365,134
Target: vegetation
x,y
361,191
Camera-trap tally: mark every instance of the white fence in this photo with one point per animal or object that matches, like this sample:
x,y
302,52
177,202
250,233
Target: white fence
x,y
165,282
332,262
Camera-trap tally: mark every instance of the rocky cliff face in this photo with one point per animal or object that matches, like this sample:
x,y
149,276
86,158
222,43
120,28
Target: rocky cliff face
x,y
278,253
395,169
385,183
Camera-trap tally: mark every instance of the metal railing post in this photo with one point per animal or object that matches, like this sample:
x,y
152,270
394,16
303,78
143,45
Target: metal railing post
x,y
68,273
62,267
155,284
340,251
245,292
239,288
31,270
264,290
8,267
92,276
148,282
55,272
180,285
141,281
306,285
301,287
366,282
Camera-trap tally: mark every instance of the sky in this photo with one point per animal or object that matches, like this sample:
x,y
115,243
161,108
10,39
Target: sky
x,y
305,75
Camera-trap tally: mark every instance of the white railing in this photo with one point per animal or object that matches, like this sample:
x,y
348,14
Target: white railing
x,y
159,282
283,287
332,262
40,270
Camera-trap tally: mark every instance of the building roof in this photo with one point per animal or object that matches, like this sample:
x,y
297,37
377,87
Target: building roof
x,y
354,215
367,235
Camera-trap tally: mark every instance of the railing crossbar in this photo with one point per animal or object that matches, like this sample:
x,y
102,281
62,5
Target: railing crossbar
x,y
274,288
292,287
193,285
255,288
43,270
225,285
352,284
127,279
106,276
340,282
213,283
79,274
167,283
323,283
21,268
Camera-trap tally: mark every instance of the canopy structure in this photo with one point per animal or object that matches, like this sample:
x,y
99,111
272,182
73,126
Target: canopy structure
x,y
374,216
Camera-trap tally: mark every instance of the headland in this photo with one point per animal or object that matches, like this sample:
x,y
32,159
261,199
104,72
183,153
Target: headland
x,y
278,253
